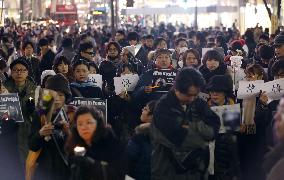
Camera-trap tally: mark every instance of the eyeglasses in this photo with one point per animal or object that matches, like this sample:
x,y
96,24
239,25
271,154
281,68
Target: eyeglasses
x,y
19,70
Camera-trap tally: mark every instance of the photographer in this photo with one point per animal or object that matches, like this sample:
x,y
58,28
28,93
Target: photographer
x,y
101,155
50,127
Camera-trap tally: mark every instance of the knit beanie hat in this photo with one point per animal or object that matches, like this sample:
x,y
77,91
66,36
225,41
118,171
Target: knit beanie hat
x,y
58,82
46,73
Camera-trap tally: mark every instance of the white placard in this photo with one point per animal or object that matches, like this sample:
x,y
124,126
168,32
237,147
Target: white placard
x,y
274,89
125,83
249,88
230,117
97,79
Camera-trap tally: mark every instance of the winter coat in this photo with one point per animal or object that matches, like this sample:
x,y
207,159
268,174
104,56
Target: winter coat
x,y
33,64
139,151
107,156
142,55
69,53
86,89
47,61
51,165
169,135
23,130
207,74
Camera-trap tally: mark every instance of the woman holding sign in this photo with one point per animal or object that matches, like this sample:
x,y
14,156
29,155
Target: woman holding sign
x,y
50,128
225,163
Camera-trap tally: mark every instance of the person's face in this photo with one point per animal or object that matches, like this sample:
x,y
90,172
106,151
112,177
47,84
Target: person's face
x,y
253,77
88,54
149,43
279,51
59,100
263,41
62,68
191,60
217,98
118,37
86,126
112,51
182,44
189,97
212,64
279,120
19,73
162,45
93,70
28,50
133,42
81,72
146,117
279,75
163,61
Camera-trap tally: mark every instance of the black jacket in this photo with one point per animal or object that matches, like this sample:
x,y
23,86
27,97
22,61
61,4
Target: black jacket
x,y
34,71
47,61
207,74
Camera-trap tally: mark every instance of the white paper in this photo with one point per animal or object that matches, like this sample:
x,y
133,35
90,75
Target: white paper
x,y
274,89
234,119
125,83
96,79
128,178
249,89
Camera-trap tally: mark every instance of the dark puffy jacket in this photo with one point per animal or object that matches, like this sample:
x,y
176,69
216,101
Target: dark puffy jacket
x,y
47,61
86,89
139,151
207,74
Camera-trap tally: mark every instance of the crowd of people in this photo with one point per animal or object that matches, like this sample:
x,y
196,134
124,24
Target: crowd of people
x,y
160,130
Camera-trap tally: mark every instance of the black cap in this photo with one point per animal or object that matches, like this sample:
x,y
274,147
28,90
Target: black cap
x,y
279,40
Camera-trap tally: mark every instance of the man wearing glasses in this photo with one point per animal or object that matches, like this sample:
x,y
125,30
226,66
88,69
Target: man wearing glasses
x,y
86,52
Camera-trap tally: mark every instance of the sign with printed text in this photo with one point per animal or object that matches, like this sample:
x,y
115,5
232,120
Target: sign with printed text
x,y
274,89
10,107
125,83
230,117
249,88
99,103
163,79
97,79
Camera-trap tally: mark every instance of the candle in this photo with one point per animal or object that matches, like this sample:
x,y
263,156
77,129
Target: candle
x,y
79,151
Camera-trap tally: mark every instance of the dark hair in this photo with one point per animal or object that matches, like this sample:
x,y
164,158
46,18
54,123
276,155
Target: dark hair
x,y
178,40
84,46
151,105
158,41
18,45
256,69
181,35
264,36
28,43
67,42
213,54
133,36
3,64
194,52
186,78
75,139
121,32
60,60
93,64
149,36
116,45
123,67
80,62
266,52
277,67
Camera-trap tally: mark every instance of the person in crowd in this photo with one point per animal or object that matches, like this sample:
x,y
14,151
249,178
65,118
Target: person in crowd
x,y
113,53
190,58
47,56
127,57
3,71
50,129
139,147
182,126
104,156
67,50
94,68
140,53
86,52
266,54
82,87
250,42
149,43
278,45
221,42
62,65
146,89
263,39
181,46
225,150
20,83
200,41
159,43
213,64
120,38
125,69
31,60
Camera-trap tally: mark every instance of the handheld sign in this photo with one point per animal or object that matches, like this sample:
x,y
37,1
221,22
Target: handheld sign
x,y
274,89
163,79
10,107
96,79
99,103
125,83
230,117
249,88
